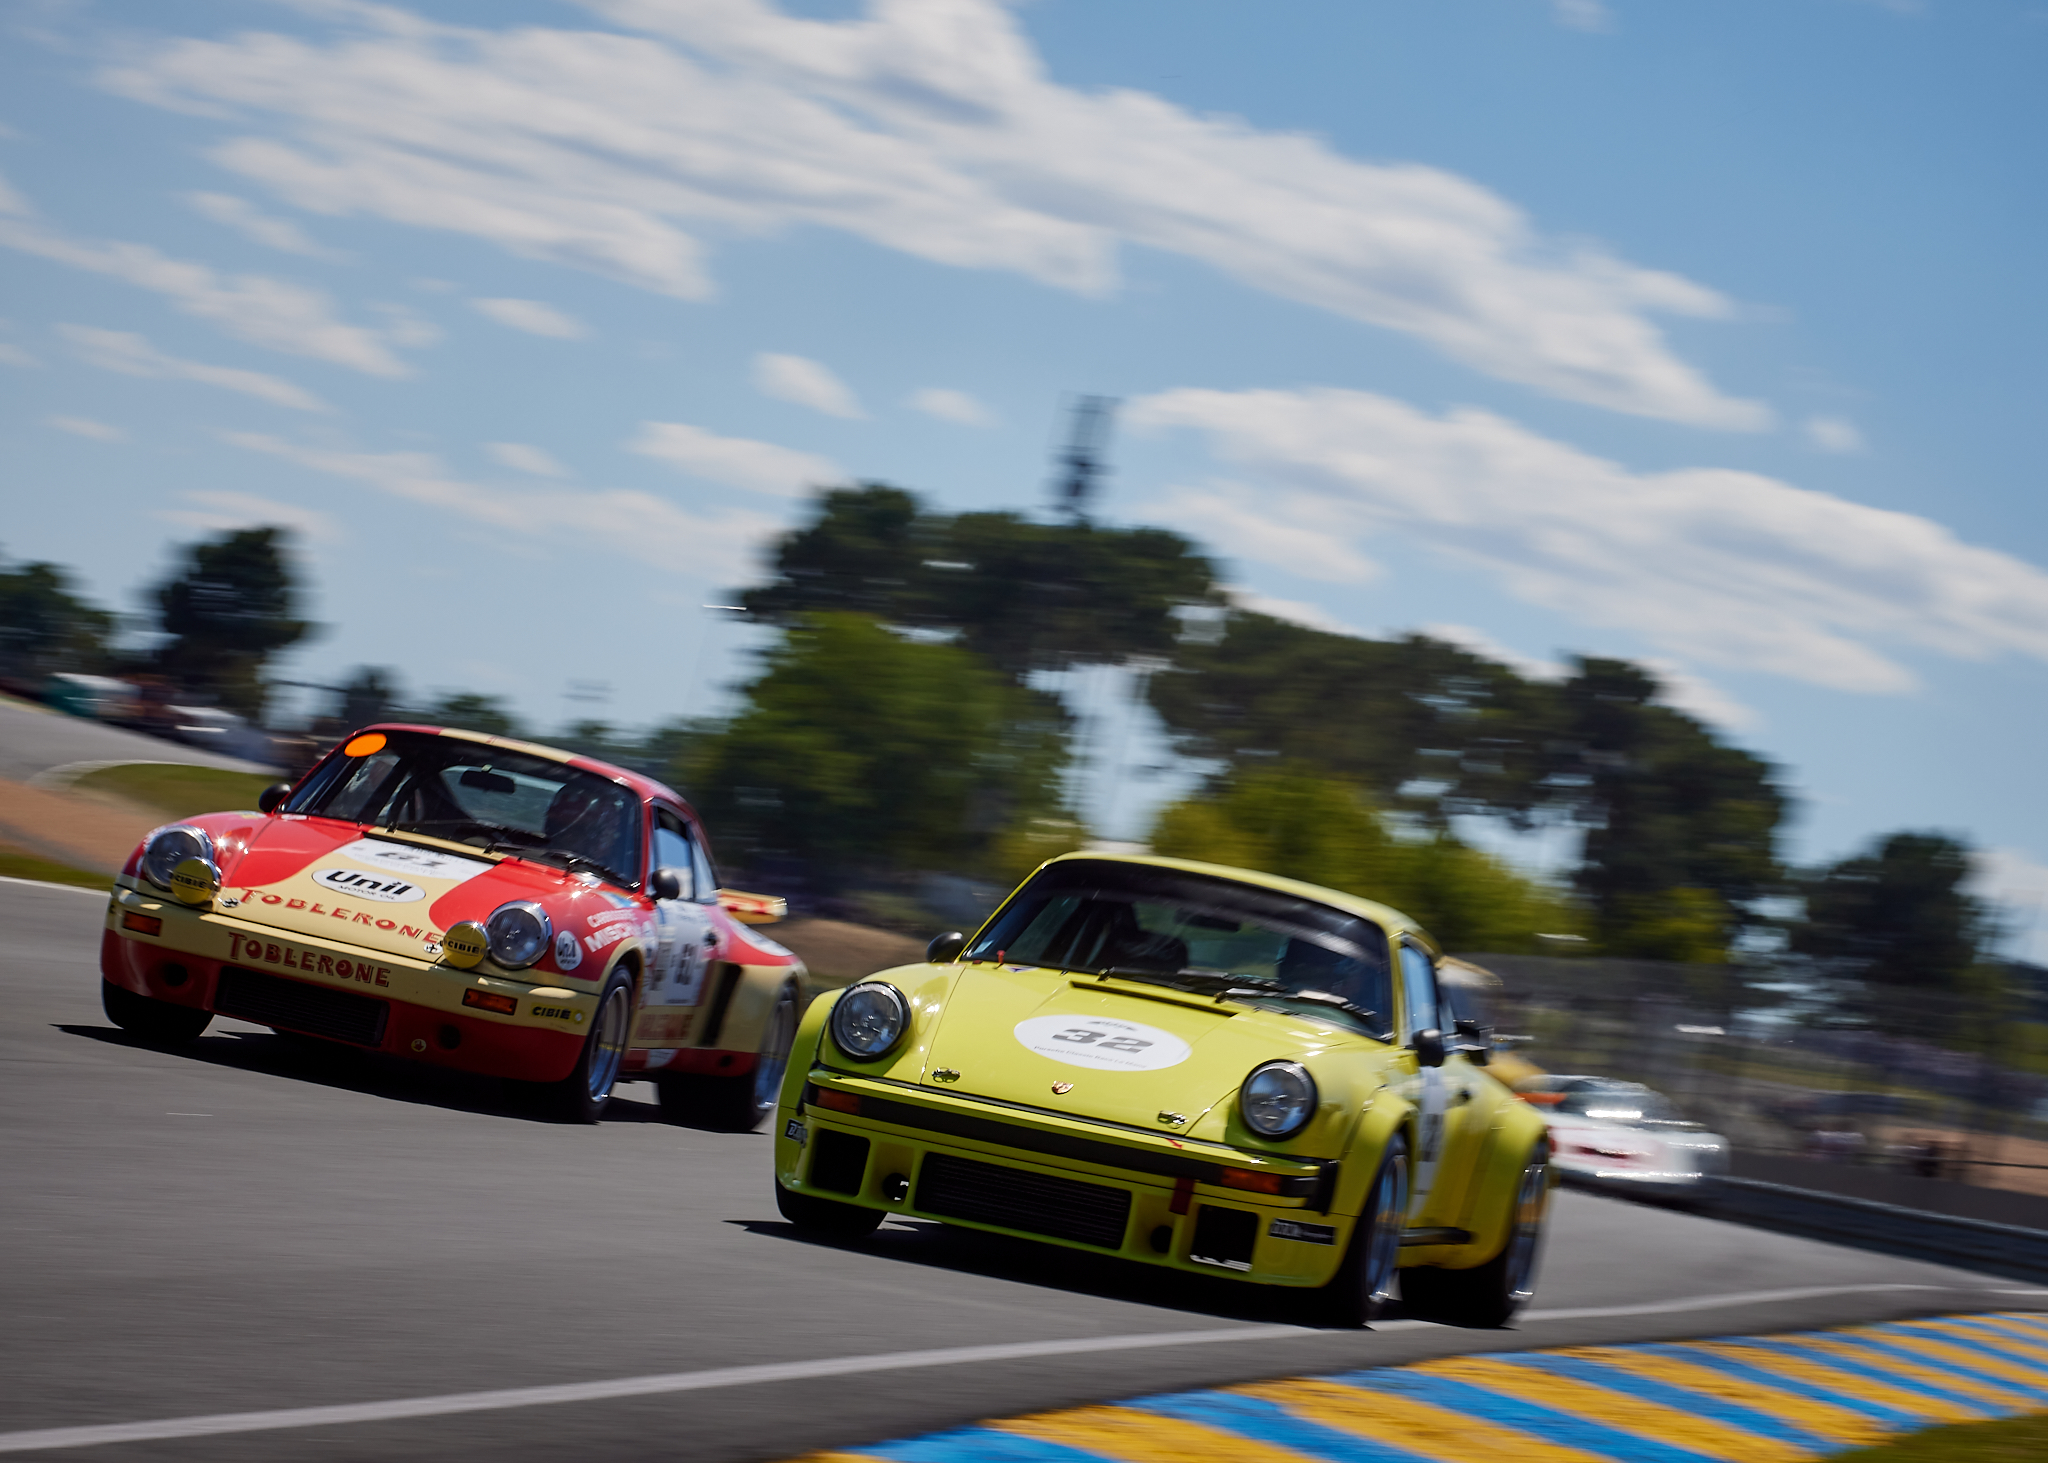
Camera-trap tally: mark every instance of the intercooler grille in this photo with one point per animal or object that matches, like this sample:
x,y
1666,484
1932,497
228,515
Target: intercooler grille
x,y
272,1000
1089,1214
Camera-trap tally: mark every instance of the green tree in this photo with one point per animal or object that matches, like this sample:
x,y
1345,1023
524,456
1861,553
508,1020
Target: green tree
x,y
1300,825
370,694
1898,922
860,750
468,711
1027,595
230,607
44,627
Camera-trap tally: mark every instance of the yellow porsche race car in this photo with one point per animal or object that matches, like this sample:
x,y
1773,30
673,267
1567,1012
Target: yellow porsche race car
x,y
1186,1065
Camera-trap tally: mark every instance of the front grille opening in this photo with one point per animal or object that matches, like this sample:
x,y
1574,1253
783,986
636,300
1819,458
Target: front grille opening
x,y
838,1161
272,1000
1089,1214
1224,1237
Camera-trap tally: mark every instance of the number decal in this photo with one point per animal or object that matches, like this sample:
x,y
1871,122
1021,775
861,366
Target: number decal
x,y
1104,1043
1077,1033
1125,1044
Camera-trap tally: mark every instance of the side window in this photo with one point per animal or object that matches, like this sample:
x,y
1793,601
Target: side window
x,y
674,849
707,877
1418,986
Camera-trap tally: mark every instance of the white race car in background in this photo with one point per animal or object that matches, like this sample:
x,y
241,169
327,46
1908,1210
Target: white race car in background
x,y
1623,1136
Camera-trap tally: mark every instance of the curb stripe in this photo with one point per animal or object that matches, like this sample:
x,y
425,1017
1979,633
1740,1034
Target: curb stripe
x,y
1430,1431
1797,1441
1966,1353
1827,1421
1934,1397
1529,1417
1821,1380
974,1445
1255,1417
1130,1435
1909,1361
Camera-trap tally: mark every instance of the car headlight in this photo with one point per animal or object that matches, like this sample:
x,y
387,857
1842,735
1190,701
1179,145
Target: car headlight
x,y
869,1019
1278,1099
518,933
169,847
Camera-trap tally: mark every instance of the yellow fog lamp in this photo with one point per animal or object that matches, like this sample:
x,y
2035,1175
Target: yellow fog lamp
x,y
465,944
195,880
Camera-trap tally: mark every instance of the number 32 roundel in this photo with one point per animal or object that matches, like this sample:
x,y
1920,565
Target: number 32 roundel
x,y
1103,1044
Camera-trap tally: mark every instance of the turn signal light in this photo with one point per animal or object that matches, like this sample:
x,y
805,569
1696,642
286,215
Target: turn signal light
x,y
839,1101
147,924
491,1001
1252,1182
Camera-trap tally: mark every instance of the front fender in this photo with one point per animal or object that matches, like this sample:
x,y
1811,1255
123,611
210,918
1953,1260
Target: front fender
x,y
803,1055
1490,1208
1384,1116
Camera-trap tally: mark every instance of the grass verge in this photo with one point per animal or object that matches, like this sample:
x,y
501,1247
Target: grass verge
x,y
177,791
2016,1440
15,864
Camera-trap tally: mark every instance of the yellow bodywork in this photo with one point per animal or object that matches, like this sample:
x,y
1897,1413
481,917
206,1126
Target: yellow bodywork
x,y
961,1085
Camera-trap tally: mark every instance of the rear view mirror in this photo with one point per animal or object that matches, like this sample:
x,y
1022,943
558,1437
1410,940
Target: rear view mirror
x,y
945,949
671,883
272,797
485,780
1472,1041
1429,1047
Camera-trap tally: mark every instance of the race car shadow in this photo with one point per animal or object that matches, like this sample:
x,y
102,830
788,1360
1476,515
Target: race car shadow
x,y
1052,1267
351,1069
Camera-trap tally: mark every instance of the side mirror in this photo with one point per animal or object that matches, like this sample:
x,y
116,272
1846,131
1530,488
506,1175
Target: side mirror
x,y
1429,1047
670,884
1472,1041
272,797
945,949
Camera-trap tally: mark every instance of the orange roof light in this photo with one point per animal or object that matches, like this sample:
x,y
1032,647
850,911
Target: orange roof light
x,y
366,745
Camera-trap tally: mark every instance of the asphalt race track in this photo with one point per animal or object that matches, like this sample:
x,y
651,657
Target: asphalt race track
x,y
253,1225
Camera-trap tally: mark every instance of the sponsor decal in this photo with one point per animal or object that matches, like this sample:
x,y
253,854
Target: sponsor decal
x,y
663,1026
604,939
1101,1042
312,962
795,1133
359,885
611,917
1309,1234
420,863
556,1013
568,954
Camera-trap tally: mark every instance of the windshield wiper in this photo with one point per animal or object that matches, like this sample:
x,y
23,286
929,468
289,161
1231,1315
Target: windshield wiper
x,y
570,862
1271,988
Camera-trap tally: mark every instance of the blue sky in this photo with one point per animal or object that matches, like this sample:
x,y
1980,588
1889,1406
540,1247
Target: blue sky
x,y
1707,334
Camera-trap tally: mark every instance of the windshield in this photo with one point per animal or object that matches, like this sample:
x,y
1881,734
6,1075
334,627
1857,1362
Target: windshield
x,y
1620,1103
1201,933
494,798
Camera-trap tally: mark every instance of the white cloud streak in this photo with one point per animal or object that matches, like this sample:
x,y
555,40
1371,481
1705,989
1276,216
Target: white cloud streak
x,y
1586,15
631,525
949,405
738,462
1712,565
2018,884
927,126
532,317
526,458
88,427
271,313
132,355
252,223
13,355
1834,434
216,512
806,383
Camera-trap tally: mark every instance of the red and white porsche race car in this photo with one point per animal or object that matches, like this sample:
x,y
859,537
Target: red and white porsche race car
x,y
1623,1136
471,901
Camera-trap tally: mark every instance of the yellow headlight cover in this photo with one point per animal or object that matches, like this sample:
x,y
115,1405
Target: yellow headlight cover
x,y
465,944
195,881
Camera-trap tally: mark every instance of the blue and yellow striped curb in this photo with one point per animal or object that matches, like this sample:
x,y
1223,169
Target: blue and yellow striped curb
x,y
1735,1399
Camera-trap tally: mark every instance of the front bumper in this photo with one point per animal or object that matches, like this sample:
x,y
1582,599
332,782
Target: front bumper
x,y
1157,1201
203,958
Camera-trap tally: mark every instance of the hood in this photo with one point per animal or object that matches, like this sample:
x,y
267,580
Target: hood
x,y
327,880
1125,1052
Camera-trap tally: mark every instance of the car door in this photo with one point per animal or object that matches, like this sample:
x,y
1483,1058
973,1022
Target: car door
x,y
686,930
1420,1011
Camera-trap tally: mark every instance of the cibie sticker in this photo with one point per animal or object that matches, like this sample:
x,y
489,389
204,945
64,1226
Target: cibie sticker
x,y
568,954
383,888
421,863
1102,1043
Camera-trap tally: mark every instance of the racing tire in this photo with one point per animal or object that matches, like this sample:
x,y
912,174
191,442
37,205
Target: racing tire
x,y
1363,1287
738,1104
152,1022
581,1096
1487,1296
826,1218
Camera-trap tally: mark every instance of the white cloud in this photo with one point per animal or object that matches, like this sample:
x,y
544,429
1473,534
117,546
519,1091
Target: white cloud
x,y
14,355
952,406
1587,15
132,355
632,525
251,222
805,382
87,427
272,313
1469,637
1294,611
1711,565
1834,434
926,126
522,457
532,317
738,462
1302,532
2019,886
216,512
1699,697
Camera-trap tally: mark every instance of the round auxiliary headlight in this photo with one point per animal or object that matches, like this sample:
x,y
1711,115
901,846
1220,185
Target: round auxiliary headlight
x,y
169,847
869,1019
1278,1099
518,933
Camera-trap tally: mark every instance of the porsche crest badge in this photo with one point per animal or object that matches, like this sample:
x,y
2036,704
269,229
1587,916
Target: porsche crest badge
x,y
1062,1087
